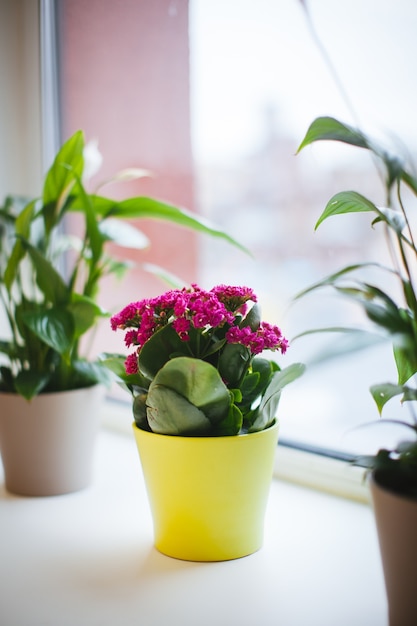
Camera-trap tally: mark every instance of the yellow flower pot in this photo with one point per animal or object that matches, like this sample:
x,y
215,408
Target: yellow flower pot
x,y
208,495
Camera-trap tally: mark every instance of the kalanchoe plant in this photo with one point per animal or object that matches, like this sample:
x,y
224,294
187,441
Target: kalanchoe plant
x,y
195,368
49,279
397,320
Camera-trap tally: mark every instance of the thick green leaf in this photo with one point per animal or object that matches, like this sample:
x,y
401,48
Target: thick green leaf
x,y
140,410
161,347
346,202
233,363
232,423
267,409
169,413
328,128
196,381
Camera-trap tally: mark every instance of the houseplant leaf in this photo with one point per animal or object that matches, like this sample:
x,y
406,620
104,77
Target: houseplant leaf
x,y
328,128
54,326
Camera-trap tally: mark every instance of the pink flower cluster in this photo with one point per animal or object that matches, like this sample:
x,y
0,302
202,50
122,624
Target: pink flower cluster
x,y
266,337
199,309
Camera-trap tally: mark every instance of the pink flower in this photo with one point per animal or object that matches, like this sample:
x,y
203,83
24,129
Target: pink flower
x,y
205,311
131,364
266,337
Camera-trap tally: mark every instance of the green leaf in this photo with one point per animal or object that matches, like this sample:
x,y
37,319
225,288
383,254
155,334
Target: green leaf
x,y
328,128
48,279
262,371
93,236
87,373
169,413
29,383
267,409
405,355
196,381
22,228
115,363
143,207
233,363
84,312
54,326
346,202
140,410
68,162
382,393
332,279
187,397
159,349
231,424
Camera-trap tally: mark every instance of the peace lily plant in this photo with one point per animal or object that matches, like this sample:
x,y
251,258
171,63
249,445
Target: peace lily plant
x,y
50,278
394,317
196,368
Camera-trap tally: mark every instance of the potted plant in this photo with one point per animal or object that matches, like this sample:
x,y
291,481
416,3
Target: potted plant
x,y
49,282
393,472
204,404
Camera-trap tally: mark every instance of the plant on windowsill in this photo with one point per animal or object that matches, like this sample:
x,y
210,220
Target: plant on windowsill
x,y
49,279
204,403
393,471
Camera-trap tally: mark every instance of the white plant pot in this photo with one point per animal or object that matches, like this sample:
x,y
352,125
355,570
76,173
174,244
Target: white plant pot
x,y
47,443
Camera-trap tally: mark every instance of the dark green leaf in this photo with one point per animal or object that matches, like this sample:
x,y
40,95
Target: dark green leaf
x,y
54,326
159,349
29,383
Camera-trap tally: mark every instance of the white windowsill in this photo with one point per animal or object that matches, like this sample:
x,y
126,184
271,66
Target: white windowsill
x,y
88,558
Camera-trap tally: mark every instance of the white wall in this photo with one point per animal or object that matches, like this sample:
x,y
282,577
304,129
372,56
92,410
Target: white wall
x,y
20,112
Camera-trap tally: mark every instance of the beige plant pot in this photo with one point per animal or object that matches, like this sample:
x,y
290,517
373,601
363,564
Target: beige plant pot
x,y
396,521
47,443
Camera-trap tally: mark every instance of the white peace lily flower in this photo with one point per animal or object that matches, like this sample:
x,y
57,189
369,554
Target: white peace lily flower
x,y
92,159
396,218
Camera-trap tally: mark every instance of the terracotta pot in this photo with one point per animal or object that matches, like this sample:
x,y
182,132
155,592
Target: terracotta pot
x,y
208,495
46,444
396,521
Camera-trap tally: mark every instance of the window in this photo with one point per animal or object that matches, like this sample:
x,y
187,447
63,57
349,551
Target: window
x,y
258,81
215,97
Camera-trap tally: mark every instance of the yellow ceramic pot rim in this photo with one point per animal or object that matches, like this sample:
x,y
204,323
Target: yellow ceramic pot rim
x,y
258,433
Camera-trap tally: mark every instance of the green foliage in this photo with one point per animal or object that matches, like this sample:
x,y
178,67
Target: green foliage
x,y
175,393
49,281
396,320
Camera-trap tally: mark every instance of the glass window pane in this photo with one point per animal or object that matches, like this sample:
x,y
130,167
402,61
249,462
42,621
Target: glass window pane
x,y
258,79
